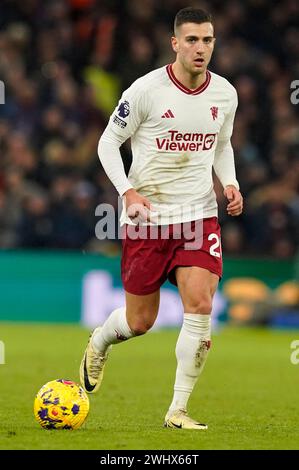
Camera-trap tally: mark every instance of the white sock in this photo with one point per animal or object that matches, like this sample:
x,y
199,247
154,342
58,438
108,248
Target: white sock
x,y
191,352
114,330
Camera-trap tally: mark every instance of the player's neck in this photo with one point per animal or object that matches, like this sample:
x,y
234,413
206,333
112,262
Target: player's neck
x,y
188,80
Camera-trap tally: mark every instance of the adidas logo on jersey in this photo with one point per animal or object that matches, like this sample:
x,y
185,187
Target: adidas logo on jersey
x,y
168,114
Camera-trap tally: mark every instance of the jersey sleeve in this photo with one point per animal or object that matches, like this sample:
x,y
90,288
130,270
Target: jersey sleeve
x,y
224,164
123,123
227,127
127,116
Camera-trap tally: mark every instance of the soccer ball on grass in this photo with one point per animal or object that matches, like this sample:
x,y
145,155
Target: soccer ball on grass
x,y
61,404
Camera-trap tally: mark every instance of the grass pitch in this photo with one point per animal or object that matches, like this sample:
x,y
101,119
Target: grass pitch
x,y
248,392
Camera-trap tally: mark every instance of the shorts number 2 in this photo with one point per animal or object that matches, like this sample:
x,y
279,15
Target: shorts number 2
x,y
213,252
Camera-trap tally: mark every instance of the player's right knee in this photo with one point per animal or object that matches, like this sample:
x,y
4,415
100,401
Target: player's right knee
x,y
140,326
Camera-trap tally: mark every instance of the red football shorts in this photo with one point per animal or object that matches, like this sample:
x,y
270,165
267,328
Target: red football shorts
x,y
152,254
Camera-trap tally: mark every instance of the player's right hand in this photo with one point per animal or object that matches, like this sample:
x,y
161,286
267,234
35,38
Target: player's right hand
x,y
138,207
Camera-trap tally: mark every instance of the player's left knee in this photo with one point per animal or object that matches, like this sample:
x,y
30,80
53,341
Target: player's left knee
x,y
201,304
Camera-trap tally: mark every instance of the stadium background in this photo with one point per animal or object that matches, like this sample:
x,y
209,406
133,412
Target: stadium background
x,y
64,64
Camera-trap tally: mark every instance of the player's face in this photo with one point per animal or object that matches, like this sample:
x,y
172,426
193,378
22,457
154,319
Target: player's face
x,y
194,45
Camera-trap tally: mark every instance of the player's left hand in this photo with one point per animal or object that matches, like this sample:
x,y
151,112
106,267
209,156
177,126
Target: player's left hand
x,y
235,206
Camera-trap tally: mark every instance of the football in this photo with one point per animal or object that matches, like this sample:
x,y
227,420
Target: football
x,y
61,404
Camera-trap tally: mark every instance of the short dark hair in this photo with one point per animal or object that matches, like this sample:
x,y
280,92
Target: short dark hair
x,y
191,15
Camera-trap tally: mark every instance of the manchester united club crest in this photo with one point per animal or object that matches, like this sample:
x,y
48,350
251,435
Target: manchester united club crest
x,y
214,111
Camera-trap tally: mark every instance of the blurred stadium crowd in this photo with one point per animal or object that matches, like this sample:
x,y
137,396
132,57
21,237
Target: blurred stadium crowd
x,y
64,64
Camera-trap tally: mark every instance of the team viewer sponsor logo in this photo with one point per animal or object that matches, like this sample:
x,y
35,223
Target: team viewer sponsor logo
x,y
179,142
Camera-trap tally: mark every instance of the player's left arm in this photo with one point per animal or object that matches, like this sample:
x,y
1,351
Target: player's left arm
x,y
224,164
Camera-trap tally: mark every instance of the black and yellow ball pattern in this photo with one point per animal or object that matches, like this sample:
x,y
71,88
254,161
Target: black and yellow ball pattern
x,y
61,404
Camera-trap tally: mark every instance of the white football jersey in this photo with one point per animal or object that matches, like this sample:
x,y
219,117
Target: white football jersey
x,y
174,134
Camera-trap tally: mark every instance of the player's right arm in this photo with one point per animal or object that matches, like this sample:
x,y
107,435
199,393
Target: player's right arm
x,y
123,123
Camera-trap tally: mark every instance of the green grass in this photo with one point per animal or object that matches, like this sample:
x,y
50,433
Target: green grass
x,y
248,392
